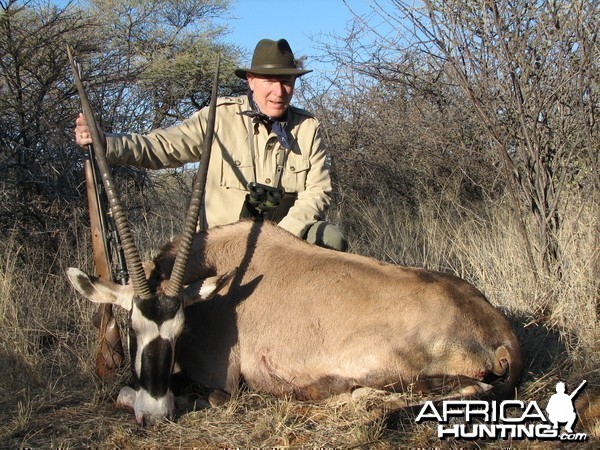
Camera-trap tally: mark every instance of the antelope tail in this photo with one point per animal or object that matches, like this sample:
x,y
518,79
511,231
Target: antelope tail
x,y
509,365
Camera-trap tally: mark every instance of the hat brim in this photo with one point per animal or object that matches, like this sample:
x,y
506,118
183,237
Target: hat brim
x,y
281,71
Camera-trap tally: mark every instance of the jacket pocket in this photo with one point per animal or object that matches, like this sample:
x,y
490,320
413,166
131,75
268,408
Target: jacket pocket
x,y
294,175
236,169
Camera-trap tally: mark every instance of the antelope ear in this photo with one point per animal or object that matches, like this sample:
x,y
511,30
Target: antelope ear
x,y
101,291
148,266
206,289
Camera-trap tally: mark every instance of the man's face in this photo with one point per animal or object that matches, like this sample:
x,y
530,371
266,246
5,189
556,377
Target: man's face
x,y
272,93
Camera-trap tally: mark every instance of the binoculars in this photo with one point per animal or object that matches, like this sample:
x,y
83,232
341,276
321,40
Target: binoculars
x,y
261,199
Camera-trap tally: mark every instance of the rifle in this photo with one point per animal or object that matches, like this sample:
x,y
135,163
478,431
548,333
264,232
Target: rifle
x,y
109,257
576,391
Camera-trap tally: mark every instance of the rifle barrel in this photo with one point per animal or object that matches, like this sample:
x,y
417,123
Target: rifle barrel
x,y
574,393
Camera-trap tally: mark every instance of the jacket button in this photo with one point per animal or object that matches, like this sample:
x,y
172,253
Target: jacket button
x,y
268,181
237,163
292,168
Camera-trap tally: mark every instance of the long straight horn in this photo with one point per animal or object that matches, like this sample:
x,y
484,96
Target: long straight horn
x,y
199,186
132,257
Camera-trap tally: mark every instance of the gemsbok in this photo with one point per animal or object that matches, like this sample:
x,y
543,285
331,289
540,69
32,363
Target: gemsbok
x,y
251,301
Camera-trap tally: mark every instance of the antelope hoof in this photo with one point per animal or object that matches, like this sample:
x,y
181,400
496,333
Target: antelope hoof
x,y
477,388
187,403
126,398
218,398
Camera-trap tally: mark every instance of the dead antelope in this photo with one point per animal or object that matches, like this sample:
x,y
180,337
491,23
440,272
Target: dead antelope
x,y
308,322
299,320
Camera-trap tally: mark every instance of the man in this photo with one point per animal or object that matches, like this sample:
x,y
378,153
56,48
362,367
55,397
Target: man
x,y
560,407
267,158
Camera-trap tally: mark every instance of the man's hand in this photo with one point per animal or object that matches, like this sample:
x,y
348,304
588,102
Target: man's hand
x,y
83,137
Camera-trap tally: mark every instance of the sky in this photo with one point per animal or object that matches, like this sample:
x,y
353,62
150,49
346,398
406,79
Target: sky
x,y
301,22
298,21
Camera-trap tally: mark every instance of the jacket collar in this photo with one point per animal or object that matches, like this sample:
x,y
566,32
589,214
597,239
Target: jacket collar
x,y
278,125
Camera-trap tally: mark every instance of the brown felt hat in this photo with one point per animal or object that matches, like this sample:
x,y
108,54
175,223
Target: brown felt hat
x,y
272,58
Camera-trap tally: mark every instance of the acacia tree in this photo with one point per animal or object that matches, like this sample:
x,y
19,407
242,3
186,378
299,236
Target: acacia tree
x,y
158,64
35,164
146,64
530,73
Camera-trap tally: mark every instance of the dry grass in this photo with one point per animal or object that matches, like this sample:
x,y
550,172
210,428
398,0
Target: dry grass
x,y
49,396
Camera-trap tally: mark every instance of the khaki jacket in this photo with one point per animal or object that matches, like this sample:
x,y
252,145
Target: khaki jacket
x,y
231,167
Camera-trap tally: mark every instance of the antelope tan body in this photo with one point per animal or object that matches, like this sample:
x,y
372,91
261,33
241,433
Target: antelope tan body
x,y
308,322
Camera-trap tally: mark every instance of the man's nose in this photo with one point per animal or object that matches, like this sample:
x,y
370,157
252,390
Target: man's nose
x,y
279,88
